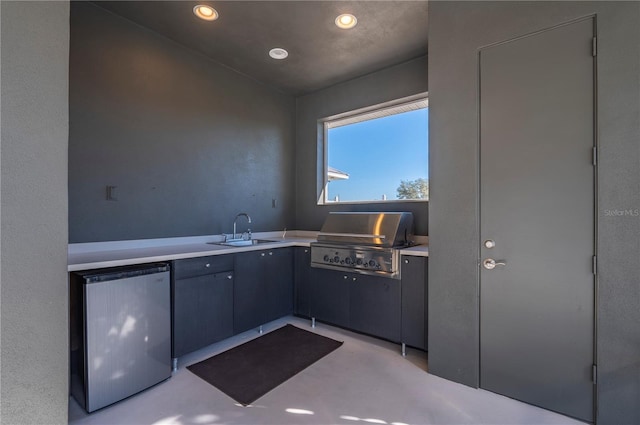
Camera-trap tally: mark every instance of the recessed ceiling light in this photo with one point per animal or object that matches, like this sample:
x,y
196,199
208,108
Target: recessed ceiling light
x,y
278,53
205,12
346,21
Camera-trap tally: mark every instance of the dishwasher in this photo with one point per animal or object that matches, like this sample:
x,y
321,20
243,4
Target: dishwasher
x,y
120,332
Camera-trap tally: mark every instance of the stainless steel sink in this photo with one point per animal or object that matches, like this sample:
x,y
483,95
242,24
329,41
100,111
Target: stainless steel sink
x,y
249,242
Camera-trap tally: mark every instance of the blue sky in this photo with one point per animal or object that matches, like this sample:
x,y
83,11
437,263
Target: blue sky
x,y
362,151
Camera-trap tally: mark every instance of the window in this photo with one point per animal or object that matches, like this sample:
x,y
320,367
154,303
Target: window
x,y
377,154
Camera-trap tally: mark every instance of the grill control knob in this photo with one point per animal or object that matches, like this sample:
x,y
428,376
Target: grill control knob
x,y
372,263
359,261
348,260
326,258
336,259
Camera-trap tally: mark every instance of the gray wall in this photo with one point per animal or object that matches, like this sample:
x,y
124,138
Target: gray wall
x,y
33,263
457,30
389,84
187,142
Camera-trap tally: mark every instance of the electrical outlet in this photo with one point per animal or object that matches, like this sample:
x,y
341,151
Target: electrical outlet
x,y
111,193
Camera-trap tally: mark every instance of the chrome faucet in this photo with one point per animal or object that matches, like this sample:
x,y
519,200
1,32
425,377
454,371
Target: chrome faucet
x,y
236,219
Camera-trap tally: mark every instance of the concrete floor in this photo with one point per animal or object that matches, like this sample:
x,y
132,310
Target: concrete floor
x,y
365,381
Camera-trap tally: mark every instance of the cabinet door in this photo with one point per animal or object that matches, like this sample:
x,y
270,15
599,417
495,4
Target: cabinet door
x,y
202,311
278,282
302,282
248,291
414,301
330,296
215,309
374,306
186,320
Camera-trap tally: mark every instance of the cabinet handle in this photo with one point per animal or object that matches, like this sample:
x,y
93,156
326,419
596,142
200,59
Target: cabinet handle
x,y
406,261
270,253
354,279
346,277
229,277
262,254
306,250
207,265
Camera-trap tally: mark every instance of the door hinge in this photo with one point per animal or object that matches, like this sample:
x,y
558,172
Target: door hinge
x,y
594,155
594,47
594,264
594,374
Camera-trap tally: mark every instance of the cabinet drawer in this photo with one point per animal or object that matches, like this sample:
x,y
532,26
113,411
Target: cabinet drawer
x,y
192,267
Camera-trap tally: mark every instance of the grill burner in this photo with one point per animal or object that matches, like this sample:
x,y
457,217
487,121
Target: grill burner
x,y
365,243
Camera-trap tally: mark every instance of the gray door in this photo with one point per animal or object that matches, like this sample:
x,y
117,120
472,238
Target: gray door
x,y
537,206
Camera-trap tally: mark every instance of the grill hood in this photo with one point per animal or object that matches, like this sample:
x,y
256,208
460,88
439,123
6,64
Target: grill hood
x,y
382,229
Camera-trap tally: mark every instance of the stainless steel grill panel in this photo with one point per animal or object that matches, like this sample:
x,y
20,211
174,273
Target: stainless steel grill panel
x,y
384,229
366,260
363,242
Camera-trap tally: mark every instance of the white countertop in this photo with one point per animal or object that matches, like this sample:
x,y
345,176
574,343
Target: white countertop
x,y
97,255
416,251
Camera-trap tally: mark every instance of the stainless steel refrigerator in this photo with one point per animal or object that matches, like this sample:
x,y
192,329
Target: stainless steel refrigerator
x,y
120,330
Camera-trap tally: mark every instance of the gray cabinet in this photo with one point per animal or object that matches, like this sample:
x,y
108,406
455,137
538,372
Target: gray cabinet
x,y
277,272
374,306
202,302
302,282
368,304
263,289
247,292
330,296
217,296
414,301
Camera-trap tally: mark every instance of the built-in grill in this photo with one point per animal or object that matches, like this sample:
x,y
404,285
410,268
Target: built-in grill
x,y
365,243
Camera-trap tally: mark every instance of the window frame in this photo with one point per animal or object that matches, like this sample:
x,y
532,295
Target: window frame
x,y
351,117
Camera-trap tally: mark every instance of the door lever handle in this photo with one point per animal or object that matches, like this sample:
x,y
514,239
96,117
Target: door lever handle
x,y
491,264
